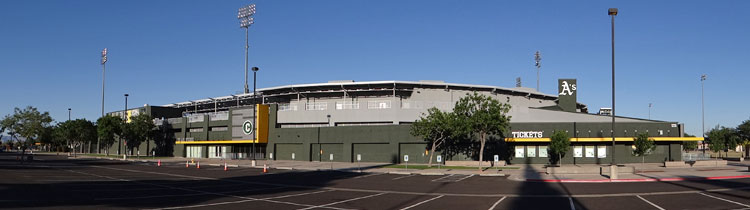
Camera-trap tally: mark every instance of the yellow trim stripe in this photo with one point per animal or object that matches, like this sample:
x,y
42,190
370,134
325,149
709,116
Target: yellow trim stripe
x,y
218,142
605,139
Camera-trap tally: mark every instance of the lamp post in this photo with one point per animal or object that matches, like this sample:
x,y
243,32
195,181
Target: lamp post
x,y
104,70
703,115
69,114
649,110
255,108
245,16
124,114
612,12
538,64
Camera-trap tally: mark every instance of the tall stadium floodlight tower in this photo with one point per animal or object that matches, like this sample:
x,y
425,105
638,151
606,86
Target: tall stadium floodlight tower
x,y
703,115
538,64
612,12
104,70
649,110
245,16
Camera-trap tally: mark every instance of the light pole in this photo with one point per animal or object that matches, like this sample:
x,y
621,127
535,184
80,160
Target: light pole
x,y
255,108
612,12
124,114
104,70
649,110
245,16
538,64
703,115
69,114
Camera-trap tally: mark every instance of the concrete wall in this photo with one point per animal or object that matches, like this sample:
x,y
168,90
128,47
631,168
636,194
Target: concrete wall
x,y
403,108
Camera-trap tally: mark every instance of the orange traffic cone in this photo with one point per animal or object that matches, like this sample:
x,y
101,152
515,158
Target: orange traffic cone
x,y
187,164
265,168
225,166
158,163
198,165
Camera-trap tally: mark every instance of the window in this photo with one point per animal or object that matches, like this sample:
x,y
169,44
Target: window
x,y
378,104
578,151
531,151
590,151
217,116
519,151
195,118
287,107
316,106
193,151
222,128
192,130
347,105
601,152
542,151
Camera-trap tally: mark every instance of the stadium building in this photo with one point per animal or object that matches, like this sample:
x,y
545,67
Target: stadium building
x,y
344,119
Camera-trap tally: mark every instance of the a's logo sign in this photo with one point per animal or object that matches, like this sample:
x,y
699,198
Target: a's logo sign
x,y
247,127
567,89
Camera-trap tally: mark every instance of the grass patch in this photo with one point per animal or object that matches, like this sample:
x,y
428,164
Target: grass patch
x,y
422,167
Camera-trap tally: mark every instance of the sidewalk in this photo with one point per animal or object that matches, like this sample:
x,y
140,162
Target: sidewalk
x,y
532,172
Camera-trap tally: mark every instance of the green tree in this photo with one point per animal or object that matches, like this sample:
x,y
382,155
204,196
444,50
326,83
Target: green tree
x,y
10,123
559,144
108,127
689,145
139,129
77,132
743,131
59,140
47,137
722,138
483,116
27,123
643,146
435,127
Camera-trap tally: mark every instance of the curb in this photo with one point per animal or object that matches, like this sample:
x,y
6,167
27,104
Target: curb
x,y
636,180
431,174
399,173
285,168
493,175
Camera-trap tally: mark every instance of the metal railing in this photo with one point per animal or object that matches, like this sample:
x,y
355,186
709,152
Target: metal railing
x,y
695,156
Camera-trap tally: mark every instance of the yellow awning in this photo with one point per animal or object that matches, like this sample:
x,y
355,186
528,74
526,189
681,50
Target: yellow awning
x,y
218,142
604,139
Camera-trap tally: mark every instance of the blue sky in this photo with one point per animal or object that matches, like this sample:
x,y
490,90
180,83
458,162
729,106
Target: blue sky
x,y
163,52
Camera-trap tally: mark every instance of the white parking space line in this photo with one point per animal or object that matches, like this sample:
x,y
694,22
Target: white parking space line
x,y
649,202
727,200
118,190
369,175
420,203
461,179
344,201
441,178
300,194
497,202
401,177
572,206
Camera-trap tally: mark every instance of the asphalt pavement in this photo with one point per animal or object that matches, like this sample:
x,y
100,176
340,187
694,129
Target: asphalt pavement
x,y
57,182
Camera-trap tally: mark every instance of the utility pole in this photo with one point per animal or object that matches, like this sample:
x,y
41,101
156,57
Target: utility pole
x,y
703,115
104,70
538,64
612,12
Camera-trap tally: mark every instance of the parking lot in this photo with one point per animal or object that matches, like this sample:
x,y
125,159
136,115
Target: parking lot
x,y
55,182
